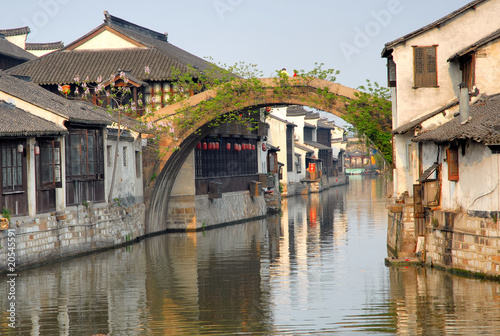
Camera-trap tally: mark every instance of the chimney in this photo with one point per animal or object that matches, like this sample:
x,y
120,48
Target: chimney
x,y
464,108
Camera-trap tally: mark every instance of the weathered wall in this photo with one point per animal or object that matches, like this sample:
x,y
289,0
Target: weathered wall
x,y
189,213
75,231
461,242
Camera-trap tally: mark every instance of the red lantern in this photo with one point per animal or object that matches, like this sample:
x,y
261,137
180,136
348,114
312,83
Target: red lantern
x,y
228,146
204,146
217,145
238,147
244,146
198,145
209,146
253,147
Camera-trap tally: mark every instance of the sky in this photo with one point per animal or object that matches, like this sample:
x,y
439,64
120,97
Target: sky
x,y
272,34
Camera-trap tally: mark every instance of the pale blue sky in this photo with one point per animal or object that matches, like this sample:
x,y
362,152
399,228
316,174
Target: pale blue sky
x,y
344,35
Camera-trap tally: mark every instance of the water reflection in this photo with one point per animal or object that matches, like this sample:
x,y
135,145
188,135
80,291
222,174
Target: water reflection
x,y
316,269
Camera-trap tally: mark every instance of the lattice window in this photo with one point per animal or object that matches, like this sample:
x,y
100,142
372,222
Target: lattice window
x,y
425,66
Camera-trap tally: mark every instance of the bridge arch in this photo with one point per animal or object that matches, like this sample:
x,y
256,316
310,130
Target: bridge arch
x,y
300,91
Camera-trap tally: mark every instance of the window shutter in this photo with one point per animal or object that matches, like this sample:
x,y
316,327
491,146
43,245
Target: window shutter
x,y
425,66
452,155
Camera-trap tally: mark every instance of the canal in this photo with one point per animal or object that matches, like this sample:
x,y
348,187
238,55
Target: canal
x,y
316,269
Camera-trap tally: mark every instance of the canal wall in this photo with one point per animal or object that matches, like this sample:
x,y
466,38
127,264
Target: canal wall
x,y
401,239
78,230
460,242
192,213
454,241
314,186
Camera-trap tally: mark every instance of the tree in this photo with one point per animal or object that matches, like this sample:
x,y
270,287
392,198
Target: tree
x,y
371,114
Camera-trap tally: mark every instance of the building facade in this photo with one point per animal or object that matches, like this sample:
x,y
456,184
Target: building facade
x,y
444,86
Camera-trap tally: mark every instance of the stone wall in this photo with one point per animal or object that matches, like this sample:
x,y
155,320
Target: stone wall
x,y
78,230
465,243
401,239
190,213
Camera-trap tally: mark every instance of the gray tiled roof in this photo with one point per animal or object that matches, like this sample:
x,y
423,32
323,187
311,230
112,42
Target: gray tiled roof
x,y
73,110
316,145
295,111
282,120
325,123
304,148
17,122
483,126
45,46
10,49
312,115
15,31
61,67
411,125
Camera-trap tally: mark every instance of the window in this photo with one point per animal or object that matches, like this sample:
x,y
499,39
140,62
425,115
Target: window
x,y
452,158
109,155
409,158
425,66
84,155
289,148
467,65
12,167
124,156
138,164
298,164
391,72
226,156
50,164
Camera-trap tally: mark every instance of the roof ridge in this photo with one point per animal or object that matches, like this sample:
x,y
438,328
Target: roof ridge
x,y
15,31
111,20
44,45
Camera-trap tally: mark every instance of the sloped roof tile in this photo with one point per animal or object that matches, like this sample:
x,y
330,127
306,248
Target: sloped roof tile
x,y
76,111
483,126
17,122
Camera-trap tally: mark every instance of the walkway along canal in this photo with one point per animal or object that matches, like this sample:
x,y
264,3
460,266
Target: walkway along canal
x,y
316,269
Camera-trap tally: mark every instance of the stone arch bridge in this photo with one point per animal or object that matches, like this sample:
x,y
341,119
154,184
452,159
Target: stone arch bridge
x,y
299,91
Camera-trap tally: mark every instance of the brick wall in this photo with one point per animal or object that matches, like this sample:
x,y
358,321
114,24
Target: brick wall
x,y
462,242
75,231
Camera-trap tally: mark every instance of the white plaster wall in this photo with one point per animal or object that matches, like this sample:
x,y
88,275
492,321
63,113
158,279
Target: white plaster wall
x,y
18,40
106,40
478,185
451,37
184,183
405,175
128,184
277,138
39,53
488,68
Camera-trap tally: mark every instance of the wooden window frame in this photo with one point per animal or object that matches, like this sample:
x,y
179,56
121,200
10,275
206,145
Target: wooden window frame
x,y
14,167
425,74
50,162
468,68
453,163
222,162
90,158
